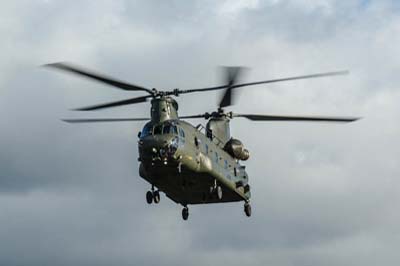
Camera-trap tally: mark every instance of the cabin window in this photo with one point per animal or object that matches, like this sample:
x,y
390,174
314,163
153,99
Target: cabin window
x,y
209,133
216,157
206,146
235,171
147,130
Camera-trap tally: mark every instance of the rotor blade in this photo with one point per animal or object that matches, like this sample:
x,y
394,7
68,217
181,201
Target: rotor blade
x,y
98,77
232,74
319,75
296,118
193,116
114,104
96,120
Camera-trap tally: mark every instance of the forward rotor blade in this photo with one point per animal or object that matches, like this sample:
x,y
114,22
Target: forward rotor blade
x,y
296,118
99,120
193,116
232,74
114,104
98,77
319,75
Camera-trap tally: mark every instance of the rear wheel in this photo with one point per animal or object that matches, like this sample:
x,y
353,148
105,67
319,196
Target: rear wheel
x,y
219,192
149,197
185,213
156,196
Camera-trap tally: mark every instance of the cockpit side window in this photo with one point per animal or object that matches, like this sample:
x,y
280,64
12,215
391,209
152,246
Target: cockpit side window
x,y
181,133
147,130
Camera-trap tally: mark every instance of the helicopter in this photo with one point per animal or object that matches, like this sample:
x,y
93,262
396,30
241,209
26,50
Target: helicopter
x,y
191,164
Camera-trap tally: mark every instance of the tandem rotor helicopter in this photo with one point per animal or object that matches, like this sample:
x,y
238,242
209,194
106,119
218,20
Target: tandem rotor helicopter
x,y
191,164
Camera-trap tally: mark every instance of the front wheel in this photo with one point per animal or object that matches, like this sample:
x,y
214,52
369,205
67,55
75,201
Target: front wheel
x,y
156,196
247,209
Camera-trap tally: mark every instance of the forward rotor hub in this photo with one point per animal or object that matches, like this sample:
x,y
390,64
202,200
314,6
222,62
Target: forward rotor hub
x,y
219,114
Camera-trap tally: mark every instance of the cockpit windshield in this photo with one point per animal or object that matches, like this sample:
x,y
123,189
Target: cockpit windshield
x,y
170,129
164,129
157,130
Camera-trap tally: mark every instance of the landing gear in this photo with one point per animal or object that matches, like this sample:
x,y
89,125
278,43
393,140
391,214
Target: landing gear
x,y
153,196
149,197
219,192
185,213
247,209
156,196
216,190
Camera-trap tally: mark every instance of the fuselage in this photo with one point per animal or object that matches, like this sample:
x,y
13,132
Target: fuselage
x,y
184,163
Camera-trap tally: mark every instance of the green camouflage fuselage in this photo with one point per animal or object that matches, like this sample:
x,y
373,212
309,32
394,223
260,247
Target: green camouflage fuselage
x,y
183,162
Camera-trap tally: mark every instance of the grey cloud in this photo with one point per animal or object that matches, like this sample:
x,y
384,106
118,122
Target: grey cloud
x,y
322,194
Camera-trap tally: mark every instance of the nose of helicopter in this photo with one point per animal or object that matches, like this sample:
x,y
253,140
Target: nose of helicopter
x,y
160,148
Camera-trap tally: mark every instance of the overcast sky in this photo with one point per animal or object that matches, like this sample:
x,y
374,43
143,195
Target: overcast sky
x,y
323,194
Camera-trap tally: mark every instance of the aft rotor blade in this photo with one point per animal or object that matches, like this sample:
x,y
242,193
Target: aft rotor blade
x,y
254,117
100,120
232,74
114,104
98,77
318,75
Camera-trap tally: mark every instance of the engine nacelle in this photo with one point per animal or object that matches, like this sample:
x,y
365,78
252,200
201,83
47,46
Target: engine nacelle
x,y
236,149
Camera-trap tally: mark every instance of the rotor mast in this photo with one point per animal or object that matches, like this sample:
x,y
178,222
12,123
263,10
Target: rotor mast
x,y
218,125
163,108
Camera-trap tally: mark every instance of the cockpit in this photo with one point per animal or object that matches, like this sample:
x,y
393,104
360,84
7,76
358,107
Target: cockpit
x,y
160,141
160,129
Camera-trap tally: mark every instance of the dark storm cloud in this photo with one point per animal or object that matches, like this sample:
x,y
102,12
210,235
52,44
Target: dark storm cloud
x,y
322,194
